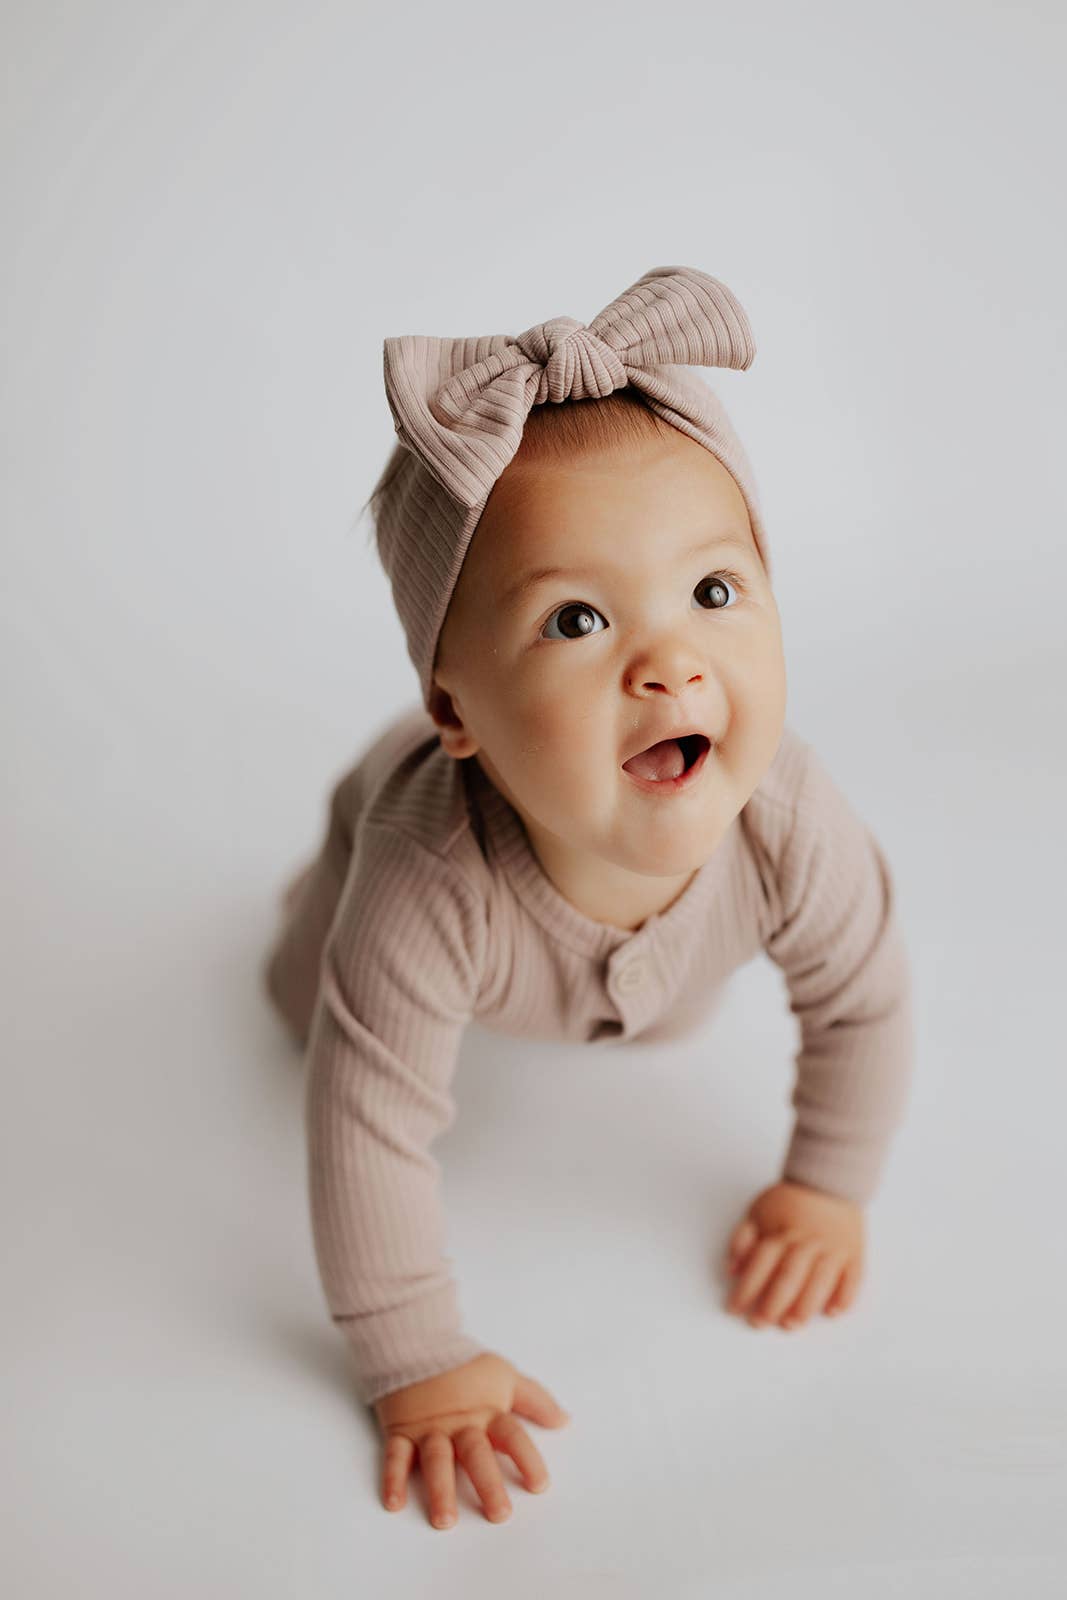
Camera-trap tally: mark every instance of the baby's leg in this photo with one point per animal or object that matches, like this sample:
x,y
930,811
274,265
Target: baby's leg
x,y
289,895
291,971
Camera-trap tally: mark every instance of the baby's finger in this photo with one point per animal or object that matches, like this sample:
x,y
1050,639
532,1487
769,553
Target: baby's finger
x,y
758,1269
815,1293
483,1469
439,1470
531,1399
787,1282
399,1454
508,1434
742,1239
847,1289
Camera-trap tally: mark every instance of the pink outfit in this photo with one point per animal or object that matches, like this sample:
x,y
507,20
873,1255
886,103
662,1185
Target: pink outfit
x,y
426,907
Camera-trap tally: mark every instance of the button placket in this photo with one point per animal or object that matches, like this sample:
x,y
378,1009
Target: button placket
x,y
633,987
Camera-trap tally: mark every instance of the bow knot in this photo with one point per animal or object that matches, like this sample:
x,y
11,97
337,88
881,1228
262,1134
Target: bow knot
x,y
576,364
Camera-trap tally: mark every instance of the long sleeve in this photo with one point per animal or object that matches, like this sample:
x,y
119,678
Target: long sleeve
x,y
842,953
399,979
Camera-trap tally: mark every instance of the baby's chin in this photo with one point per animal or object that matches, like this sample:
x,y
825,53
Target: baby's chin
x,y
671,860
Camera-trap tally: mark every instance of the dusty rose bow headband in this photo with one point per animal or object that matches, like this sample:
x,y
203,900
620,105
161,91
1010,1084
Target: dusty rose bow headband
x,y
460,405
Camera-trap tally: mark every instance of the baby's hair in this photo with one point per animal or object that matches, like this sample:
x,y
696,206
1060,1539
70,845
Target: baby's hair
x,y
576,428
568,431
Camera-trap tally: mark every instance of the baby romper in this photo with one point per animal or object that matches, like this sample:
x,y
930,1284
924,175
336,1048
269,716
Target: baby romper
x,y
426,908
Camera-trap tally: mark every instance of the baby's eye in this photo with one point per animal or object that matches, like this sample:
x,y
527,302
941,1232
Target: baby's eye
x,y
575,620
711,592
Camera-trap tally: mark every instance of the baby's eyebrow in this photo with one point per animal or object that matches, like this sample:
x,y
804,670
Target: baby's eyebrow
x,y
536,575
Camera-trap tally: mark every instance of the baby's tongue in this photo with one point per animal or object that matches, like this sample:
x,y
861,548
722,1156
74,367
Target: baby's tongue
x,y
663,760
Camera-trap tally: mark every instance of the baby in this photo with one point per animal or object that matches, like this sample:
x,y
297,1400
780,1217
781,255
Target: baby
x,y
596,815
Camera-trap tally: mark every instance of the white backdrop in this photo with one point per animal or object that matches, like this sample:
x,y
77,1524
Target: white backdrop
x,y
215,213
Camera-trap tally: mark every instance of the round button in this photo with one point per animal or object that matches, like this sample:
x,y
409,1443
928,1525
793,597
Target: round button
x,y
631,977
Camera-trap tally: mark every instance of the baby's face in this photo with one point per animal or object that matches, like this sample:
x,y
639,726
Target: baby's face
x,y
661,618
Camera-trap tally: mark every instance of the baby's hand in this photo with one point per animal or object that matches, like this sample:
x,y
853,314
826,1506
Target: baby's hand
x,y
802,1252
470,1409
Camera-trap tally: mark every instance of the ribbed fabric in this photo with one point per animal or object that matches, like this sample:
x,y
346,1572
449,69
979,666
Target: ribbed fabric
x,y
460,405
426,907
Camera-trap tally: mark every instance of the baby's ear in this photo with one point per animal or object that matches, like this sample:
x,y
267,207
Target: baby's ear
x,y
450,729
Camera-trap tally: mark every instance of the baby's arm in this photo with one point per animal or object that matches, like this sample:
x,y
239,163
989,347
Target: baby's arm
x,y
399,979
841,949
397,984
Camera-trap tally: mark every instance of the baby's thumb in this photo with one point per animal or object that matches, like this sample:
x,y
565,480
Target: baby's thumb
x,y
532,1399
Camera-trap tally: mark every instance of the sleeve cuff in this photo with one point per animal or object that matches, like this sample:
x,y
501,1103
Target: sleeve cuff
x,y
407,1343
844,1168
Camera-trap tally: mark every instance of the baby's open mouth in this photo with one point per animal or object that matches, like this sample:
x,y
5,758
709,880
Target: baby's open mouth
x,y
670,758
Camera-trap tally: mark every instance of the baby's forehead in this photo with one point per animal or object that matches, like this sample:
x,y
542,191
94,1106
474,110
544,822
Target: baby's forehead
x,y
593,513
667,536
